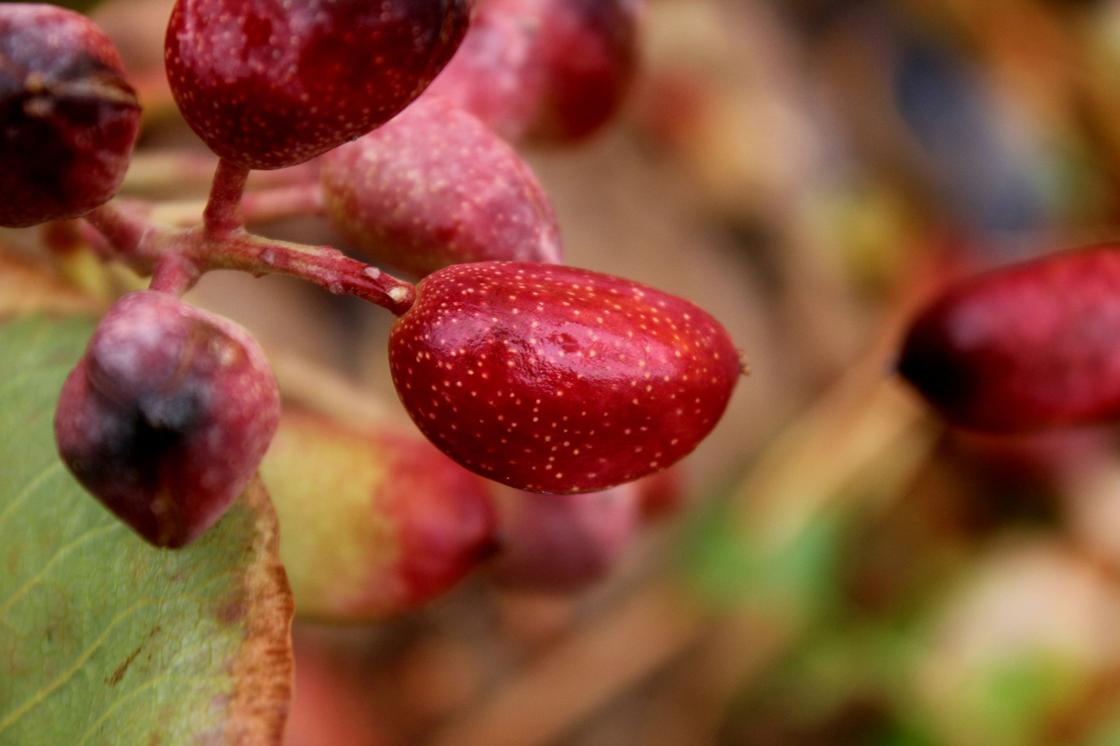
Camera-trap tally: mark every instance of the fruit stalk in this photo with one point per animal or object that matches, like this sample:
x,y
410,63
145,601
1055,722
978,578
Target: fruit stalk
x,y
145,246
222,216
324,266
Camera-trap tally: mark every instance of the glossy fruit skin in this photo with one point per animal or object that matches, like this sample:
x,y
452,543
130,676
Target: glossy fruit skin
x,y
374,521
588,51
435,187
563,543
555,379
166,416
494,74
268,83
1024,348
68,119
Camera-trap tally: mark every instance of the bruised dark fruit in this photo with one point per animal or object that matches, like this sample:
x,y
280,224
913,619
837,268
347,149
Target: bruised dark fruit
x,y
556,379
68,119
272,83
167,416
435,187
1023,348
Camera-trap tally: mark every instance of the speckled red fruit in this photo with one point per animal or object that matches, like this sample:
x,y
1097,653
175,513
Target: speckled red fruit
x,y
271,83
1023,348
68,119
556,379
494,74
166,416
588,51
435,187
563,543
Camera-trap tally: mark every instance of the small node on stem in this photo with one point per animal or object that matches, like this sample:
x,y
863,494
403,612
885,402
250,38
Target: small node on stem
x,y
174,274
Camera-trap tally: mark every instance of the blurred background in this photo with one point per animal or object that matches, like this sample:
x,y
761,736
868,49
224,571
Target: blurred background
x,y
843,568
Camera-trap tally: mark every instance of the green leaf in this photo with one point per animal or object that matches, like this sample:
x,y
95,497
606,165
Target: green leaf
x,y
104,639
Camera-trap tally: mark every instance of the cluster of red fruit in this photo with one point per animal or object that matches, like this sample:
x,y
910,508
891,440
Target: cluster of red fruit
x,y
546,378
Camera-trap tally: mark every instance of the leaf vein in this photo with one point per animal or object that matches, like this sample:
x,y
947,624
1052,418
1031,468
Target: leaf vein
x,y
58,556
40,696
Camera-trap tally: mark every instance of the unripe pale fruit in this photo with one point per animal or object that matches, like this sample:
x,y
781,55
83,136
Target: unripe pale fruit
x,y
556,379
563,543
167,416
373,522
269,83
588,51
1023,348
68,119
436,187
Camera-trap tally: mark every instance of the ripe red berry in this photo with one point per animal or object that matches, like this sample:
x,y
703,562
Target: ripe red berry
x,y
588,52
555,379
269,83
562,543
1023,348
68,119
495,74
435,187
373,522
166,416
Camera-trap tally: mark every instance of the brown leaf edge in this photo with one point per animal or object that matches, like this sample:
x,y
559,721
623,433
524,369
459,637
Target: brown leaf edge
x,y
264,669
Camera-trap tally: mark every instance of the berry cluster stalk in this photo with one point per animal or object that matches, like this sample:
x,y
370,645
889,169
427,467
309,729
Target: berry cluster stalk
x,y
176,257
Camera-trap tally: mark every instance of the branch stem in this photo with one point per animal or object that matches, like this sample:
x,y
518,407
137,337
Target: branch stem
x,y
178,257
324,266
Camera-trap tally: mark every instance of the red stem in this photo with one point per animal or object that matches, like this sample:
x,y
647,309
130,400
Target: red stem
x,y
179,257
174,274
322,265
128,233
222,216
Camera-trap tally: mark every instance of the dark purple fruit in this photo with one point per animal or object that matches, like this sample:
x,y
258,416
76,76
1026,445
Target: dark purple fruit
x,y
167,416
68,119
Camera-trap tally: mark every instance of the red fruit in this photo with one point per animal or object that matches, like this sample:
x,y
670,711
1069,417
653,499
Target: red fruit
x,y
373,522
1023,348
166,416
68,119
555,379
588,51
436,187
268,83
661,495
494,74
562,543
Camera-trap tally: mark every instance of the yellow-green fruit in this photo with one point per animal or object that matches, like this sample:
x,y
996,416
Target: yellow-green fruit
x,y
372,522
